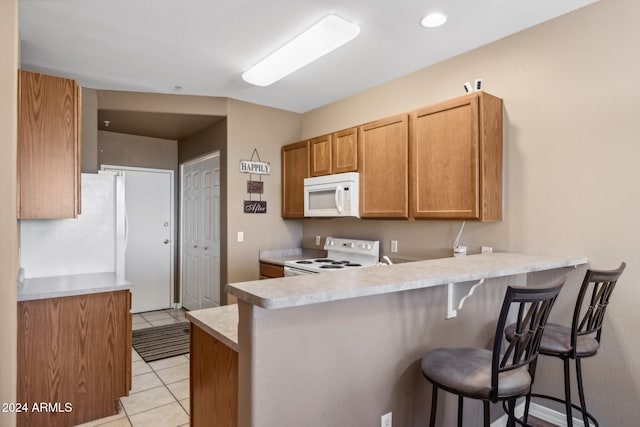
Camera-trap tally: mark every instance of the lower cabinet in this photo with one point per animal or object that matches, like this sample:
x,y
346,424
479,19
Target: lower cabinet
x,y
74,357
270,271
214,381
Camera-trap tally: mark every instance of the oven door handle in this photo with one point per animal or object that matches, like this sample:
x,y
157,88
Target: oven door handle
x,y
339,198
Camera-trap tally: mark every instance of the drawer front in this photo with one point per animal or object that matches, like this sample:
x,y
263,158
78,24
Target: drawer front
x,y
271,270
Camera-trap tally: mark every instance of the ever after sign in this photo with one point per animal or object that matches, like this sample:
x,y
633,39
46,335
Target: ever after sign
x,y
255,206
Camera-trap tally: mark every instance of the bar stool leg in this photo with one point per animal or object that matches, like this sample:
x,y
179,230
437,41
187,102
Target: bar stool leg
x,y
512,413
487,419
460,407
583,403
434,403
567,393
527,403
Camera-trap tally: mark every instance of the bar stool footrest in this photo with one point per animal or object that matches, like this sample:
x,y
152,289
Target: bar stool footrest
x,y
592,419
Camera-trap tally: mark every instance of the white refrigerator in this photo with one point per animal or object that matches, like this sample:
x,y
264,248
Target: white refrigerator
x,y
95,242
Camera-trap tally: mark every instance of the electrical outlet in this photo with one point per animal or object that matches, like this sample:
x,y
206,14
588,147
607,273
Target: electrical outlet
x,y
487,249
394,246
240,236
318,240
385,420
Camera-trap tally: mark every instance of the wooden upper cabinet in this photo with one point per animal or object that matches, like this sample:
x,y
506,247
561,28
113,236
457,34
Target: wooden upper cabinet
x,y
48,146
295,168
456,159
334,153
344,151
383,152
320,155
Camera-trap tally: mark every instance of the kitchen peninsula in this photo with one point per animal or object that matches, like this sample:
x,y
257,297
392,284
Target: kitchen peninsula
x,y
344,348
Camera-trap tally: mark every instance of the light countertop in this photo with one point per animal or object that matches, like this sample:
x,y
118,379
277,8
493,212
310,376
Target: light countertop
x,y
333,286
71,285
219,322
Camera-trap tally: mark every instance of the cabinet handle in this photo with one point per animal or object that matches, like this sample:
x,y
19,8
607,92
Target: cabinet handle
x,y
205,248
195,246
166,241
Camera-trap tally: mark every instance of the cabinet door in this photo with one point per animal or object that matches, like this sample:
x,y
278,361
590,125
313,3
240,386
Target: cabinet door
x,y
456,159
344,152
48,146
444,152
383,148
295,168
320,155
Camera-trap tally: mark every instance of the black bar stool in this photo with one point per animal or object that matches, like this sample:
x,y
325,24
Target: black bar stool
x,y
505,373
580,340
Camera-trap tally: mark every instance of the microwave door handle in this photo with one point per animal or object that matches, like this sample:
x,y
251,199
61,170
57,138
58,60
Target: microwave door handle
x,y
339,198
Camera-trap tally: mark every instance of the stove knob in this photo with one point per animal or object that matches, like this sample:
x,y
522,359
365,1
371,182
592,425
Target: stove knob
x,y
363,246
352,245
369,246
329,242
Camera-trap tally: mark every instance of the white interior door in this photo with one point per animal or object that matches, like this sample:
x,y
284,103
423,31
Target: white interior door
x,y
200,264
149,253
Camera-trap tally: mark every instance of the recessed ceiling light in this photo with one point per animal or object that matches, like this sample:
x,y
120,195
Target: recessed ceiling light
x,y
322,38
434,20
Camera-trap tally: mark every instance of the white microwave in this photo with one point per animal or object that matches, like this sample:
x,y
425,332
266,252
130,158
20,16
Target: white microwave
x,y
332,195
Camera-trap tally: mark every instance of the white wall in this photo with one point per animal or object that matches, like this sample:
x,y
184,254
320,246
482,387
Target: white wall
x,y
252,126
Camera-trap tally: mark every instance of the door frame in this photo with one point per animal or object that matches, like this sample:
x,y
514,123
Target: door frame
x,y
181,166
172,220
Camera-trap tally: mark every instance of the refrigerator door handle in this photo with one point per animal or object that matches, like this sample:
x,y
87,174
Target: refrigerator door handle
x,y
126,229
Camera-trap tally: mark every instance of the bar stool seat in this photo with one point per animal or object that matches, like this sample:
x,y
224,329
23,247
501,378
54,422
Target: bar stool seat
x,y
468,372
556,341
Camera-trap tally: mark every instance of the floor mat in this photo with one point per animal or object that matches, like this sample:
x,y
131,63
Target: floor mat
x,y
160,342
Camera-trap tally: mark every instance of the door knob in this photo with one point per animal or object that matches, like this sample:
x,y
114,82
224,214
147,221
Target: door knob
x,y
166,241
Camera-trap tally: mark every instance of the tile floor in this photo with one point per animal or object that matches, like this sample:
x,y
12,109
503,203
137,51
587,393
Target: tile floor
x,y
159,395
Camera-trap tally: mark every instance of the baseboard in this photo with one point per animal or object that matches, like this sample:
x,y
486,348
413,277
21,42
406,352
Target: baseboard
x,y
551,416
542,413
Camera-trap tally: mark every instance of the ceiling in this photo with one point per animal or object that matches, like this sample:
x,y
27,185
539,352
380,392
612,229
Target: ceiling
x,y
203,46
157,125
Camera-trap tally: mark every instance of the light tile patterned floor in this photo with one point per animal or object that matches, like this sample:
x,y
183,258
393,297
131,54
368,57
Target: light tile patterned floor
x,y
159,394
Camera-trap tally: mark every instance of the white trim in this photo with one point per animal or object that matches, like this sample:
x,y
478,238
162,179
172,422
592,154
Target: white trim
x,y
201,158
171,220
542,413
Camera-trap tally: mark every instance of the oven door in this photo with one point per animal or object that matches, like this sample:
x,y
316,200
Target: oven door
x,y
293,271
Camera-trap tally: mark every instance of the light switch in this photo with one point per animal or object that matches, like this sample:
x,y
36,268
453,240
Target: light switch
x,y
240,236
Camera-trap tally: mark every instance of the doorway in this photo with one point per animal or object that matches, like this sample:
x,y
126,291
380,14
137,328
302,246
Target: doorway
x,y
200,232
149,254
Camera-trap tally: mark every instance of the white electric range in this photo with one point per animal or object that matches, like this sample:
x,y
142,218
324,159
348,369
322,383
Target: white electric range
x,y
342,254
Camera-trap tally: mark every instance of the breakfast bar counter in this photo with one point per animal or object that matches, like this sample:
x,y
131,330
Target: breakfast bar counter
x,y
384,279
343,348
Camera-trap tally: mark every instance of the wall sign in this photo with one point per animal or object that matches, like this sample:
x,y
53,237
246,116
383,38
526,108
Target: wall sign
x,y
259,168
255,207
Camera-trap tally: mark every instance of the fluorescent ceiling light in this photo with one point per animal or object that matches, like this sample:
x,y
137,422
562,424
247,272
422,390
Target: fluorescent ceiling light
x,y
324,37
434,20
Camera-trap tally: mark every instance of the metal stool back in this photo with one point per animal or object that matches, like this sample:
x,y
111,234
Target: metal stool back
x,y
581,339
506,372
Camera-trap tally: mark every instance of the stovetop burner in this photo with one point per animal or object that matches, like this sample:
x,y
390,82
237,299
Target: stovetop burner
x,y
342,254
